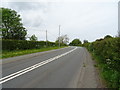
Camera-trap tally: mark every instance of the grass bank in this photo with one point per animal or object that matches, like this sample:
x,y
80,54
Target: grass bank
x,y
106,53
110,77
100,68
7,54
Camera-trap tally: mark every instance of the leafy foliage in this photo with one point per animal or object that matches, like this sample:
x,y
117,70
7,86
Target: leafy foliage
x,y
75,42
24,44
12,28
107,51
107,36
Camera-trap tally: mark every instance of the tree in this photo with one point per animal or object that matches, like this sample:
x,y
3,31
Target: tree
x,y
76,42
63,39
107,36
12,28
33,38
85,41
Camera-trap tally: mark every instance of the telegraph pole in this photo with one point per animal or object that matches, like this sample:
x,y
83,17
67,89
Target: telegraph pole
x,y
59,35
46,38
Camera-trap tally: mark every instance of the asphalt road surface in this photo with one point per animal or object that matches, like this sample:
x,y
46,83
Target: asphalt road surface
x,y
52,69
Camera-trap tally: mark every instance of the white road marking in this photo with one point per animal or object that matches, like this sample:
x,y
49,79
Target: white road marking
x,y
21,72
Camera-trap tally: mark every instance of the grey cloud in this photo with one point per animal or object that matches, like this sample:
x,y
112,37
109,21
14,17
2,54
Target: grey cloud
x,y
36,23
78,20
30,9
22,6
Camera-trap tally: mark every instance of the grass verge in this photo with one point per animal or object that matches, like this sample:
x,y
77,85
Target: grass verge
x,y
99,66
7,54
109,77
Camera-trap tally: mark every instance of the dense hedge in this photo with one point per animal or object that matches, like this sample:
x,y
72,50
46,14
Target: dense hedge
x,y
24,44
107,52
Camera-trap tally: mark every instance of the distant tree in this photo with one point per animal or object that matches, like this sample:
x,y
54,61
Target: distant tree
x,y
85,41
12,28
76,42
33,38
63,39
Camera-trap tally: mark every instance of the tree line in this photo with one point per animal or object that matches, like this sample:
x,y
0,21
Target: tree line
x,y
12,28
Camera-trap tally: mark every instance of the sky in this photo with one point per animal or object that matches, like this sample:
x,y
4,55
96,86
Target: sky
x,y
82,19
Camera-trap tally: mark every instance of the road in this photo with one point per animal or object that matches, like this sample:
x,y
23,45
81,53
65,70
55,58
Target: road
x,y
52,69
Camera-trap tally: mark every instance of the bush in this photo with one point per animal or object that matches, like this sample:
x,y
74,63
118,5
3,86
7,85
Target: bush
x,y
107,51
24,44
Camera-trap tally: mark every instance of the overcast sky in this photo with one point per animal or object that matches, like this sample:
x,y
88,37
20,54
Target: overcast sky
x,y
83,19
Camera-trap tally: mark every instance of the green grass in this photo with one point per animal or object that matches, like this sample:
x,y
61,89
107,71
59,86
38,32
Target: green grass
x,y
109,76
100,67
7,54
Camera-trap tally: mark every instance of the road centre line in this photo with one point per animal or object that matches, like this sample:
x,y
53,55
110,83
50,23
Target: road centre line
x,y
21,72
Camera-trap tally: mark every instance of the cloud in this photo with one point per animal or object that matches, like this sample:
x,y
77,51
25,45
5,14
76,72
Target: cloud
x,y
60,0
22,6
32,14
78,20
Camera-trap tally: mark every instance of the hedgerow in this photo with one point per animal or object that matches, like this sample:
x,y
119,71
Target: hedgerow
x,y
107,52
24,44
